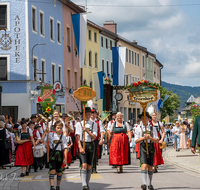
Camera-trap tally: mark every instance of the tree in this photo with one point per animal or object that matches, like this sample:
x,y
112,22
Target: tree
x,y
171,104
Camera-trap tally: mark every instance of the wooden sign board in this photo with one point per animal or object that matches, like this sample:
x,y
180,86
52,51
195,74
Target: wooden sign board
x,y
143,94
84,93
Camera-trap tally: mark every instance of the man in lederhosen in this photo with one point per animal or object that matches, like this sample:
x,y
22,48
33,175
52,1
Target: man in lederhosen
x,y
99,139
86,157
146,161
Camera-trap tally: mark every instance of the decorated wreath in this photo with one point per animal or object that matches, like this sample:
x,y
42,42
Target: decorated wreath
x,y
108,80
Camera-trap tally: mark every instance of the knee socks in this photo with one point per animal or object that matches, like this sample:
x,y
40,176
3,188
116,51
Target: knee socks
x,y
150,175
51,176
59,178
84,177
144,176
88,176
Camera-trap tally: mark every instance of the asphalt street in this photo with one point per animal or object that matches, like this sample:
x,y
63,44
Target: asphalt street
x,y
169,177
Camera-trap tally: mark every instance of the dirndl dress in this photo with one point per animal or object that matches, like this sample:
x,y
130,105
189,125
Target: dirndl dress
x,y
119,148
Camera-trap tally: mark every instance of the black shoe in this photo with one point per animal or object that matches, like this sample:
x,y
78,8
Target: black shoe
x,y
41,167
57,187
155,171
35,170
52,188
178,150
67,168
144,187
107,153
27,173
22,175
104,154
85,188
95,171
150,187
47,166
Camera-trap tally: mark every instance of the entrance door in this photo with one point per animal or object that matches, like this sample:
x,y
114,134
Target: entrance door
x,y
12,111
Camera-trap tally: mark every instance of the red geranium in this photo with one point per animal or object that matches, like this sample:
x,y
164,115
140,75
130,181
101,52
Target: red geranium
x,y
135,84
139,82
145,81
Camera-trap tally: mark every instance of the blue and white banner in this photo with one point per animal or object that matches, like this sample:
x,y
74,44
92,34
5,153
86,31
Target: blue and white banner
x,y
119,60
79,22
166,97
98,84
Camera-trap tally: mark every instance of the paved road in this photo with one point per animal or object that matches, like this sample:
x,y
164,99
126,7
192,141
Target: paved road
x,y
169,177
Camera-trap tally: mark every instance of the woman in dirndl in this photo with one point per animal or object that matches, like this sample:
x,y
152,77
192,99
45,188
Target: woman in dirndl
x,y
119,147
24,153
158,159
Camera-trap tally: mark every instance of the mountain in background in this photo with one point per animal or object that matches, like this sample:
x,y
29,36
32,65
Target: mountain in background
x,y
184,92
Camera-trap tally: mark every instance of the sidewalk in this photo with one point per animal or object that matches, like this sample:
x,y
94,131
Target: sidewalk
x,y
183,159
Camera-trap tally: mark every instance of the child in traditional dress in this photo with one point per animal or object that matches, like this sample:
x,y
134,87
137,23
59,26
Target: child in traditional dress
x,y
146,161
57,144
69,144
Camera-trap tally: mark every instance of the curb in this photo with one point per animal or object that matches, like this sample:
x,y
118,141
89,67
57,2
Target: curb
x,y
178,165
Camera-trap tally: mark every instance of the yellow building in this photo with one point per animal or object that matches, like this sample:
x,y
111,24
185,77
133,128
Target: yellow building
x,y
92,54
135,70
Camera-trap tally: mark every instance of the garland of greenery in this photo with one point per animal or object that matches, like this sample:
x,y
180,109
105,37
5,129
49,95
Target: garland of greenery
x,y
195,110
142,82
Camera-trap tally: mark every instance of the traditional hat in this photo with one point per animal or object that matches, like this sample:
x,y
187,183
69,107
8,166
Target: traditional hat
x,y
87,109
142,114
64,115
93,110
34,116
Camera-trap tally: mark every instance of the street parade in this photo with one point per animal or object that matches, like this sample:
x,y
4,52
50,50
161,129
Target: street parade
x,y
87,107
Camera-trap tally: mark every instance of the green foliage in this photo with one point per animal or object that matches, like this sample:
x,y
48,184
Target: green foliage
x,y
195,110
171,104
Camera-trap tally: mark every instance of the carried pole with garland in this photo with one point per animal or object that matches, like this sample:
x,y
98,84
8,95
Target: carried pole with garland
x,y
143,93
47,100
84,94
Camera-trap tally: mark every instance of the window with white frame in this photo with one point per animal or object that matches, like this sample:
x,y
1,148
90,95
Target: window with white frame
x,y
59,32
53,70
132,57
138,79
110,44
3,69
43,66
96,59
34,19
35,69
143,64
95,37
103,65
102,42
154,72
75,80
135,79
85,82
90,58
68,37
3,16
107,63
106,43
111,69
138,57
41,23
52,29
129,56
89,34
135,58
126,55
60,73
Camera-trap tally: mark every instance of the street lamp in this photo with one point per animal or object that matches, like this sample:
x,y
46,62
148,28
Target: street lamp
x,y
32,57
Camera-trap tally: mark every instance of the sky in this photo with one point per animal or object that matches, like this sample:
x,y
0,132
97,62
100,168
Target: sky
x,y
168,28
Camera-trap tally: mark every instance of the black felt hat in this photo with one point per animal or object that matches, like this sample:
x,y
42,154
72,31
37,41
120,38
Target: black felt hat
x,y
37,126
34,116
87,109
142,114
31,122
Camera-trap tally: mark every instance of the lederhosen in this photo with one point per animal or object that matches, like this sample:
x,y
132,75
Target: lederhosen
x,y
143,153
55,162
89,151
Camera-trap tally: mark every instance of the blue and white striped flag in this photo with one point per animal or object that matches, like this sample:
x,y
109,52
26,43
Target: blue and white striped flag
x,y
119,60
79,22
166,97
98,84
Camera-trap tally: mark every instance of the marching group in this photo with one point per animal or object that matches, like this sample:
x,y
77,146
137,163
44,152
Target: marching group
x,y
28,140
